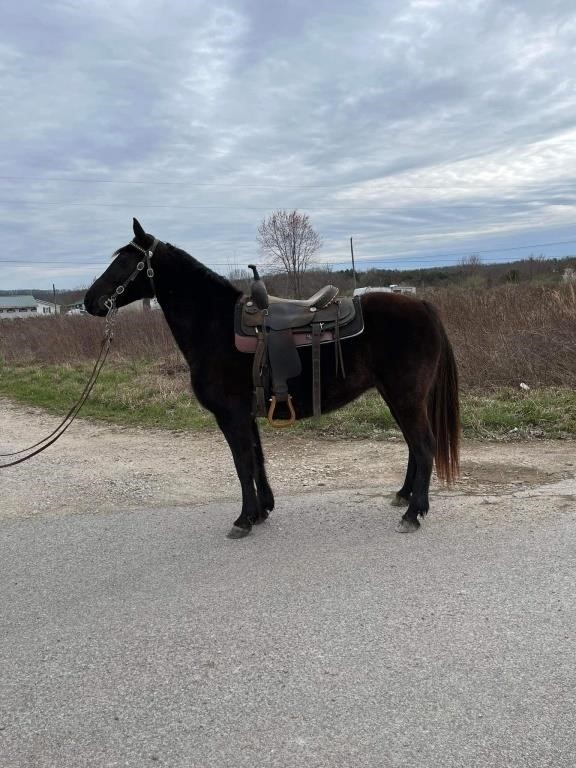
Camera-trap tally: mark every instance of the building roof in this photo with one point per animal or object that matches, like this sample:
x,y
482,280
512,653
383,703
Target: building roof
x,y
17,302
23,301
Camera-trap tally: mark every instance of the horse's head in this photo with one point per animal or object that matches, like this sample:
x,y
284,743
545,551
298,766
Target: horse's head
x,y
128,278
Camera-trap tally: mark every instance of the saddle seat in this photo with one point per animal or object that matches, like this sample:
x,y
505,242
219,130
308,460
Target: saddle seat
x,y
282,314
320,299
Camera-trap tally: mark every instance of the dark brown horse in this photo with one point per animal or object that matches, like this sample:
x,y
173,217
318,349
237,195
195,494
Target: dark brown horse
x,y
404,353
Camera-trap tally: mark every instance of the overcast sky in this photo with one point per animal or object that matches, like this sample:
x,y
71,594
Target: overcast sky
x,y
428,129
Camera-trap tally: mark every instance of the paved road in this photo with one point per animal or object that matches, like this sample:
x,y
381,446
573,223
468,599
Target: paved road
x,y
146,638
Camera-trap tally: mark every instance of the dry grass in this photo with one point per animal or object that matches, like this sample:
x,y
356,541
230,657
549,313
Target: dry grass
x,y
501,336
75,338
511,334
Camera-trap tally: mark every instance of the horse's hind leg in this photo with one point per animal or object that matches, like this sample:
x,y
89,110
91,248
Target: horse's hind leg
x,y
412,418
416,428
402,497
263,490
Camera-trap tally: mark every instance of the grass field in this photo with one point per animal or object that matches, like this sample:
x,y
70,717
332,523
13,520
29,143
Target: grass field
x,y
139,393
502,336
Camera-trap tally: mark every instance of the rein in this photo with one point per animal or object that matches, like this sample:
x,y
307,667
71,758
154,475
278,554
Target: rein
x,y
110,304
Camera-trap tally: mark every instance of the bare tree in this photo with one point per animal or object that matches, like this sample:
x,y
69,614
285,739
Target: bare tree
x,y
289,241
239,277
472,263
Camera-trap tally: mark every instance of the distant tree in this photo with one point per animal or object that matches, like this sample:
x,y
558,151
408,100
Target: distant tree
x,y
472,263
288,241
240,277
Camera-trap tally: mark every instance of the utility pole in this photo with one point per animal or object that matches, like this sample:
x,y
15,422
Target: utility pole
x,y
54,297
353,267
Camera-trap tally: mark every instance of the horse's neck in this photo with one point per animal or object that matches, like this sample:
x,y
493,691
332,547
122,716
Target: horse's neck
x,y
195,300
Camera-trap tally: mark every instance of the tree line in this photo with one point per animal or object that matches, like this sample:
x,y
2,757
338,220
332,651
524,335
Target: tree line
x,y
288,244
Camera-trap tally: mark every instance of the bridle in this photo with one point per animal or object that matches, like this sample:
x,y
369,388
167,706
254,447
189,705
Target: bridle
x,y
110,304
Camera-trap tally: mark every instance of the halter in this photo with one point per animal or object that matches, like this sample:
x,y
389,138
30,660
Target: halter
x,y
148,253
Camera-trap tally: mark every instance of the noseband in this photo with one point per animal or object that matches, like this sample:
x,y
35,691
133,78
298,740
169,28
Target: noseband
x,y
148,253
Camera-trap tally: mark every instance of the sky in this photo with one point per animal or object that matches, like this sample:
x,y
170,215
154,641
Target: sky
x,y
427,130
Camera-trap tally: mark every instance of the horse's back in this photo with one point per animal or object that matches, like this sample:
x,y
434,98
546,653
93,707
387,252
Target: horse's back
x,y
400,314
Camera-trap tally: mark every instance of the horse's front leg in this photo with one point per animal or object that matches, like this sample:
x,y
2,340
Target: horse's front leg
x,y
263,490
237,430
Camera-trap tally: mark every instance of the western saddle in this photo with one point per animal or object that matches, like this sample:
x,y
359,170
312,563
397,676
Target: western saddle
x,y
273,329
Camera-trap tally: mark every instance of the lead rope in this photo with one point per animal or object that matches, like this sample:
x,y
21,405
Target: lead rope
x,y
110,304
47,441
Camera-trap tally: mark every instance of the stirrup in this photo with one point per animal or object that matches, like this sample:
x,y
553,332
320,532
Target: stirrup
x,y
281,423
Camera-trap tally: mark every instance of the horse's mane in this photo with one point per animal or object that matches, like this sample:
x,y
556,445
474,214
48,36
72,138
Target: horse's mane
x,y
202,270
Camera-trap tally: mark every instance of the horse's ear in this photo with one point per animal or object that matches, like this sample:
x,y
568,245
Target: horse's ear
x,y
139,233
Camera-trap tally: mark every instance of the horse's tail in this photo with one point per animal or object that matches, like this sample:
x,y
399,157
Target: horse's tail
x,y
444,411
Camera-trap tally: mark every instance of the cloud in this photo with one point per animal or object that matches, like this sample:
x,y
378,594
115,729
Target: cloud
x,y
419,127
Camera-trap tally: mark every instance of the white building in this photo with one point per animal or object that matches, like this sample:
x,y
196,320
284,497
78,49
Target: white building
x,y
141,305
77,308
25,306
385,289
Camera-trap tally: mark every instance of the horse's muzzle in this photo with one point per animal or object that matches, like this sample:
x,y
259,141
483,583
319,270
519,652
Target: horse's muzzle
x,y
96,306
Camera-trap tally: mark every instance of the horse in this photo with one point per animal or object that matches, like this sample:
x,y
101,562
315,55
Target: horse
x,y
403,352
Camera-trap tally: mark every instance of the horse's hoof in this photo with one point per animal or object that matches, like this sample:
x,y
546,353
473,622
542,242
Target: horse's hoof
x,y
407,526
262,517
267,502
399,501
237,533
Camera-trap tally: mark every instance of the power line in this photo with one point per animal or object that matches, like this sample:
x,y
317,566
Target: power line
x,y
498,250
280,187
442,256
450,204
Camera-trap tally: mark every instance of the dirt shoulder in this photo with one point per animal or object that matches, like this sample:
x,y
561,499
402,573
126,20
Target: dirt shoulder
x,y
96,468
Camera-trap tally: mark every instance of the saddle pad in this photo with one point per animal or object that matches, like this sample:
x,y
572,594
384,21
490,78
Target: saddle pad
x,y
248,343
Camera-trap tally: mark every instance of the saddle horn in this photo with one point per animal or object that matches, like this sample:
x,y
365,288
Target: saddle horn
x,y
258,289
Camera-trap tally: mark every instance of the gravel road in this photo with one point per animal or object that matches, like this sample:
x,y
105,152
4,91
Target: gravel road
x,y
133,633
100,468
